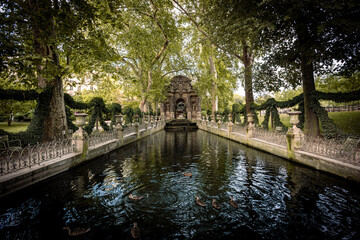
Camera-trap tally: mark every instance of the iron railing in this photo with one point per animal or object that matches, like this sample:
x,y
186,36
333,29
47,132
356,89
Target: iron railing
x,y
101,138
342,149
270,136
13,160
128,131
223,126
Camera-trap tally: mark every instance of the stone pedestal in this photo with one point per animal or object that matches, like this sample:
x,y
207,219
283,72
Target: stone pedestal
x,y
294,134
80,137
136,125
230,124
250,129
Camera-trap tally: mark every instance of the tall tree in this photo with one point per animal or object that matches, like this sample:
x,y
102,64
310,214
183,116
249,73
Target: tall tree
x,y
309,36
231,27
215,74
146,47
36,32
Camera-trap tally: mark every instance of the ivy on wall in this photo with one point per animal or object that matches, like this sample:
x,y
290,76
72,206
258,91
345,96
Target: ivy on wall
x,y
329,128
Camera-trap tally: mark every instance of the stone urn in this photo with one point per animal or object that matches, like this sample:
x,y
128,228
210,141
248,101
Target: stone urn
x,y
294,134
118,121
80,119
294,117
250,126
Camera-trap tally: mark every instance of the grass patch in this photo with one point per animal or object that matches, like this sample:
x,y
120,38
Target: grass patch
x,y
349,122
15,126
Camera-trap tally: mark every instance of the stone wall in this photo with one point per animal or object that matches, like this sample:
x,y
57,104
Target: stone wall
x,y
32,174
291,150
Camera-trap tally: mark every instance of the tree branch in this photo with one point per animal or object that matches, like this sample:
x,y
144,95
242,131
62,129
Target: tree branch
x,y
133,67
166,42
205,33
174,71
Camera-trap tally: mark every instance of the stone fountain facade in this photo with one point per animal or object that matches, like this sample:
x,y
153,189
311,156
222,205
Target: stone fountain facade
x,y
182,100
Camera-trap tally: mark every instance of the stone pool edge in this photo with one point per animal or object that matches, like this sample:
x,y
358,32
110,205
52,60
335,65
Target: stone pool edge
x,y
18,180
320,163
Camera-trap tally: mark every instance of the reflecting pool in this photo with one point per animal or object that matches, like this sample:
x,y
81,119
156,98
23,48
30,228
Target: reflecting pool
x,y
276,199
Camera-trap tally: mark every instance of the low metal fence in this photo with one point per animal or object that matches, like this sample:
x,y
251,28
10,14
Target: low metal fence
x,y
341,149
128,130
101,138
13,160
270,136
224,126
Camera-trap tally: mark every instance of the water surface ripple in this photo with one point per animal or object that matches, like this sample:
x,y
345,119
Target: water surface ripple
x,y
276,199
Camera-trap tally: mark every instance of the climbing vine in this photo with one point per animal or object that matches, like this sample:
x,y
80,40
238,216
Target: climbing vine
x,y
35,130
97,108
329,128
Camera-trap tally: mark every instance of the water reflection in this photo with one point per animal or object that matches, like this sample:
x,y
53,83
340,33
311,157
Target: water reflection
x,y
277,199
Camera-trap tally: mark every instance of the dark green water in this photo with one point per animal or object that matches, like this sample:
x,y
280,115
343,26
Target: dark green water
x,y
277,199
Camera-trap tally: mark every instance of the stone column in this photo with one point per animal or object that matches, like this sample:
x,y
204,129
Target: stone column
x,y
251,126
198,117
188,108
294,134
136,125
199,107
80,137
172,108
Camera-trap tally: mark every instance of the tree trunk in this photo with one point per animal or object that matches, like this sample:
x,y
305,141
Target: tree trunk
x,y
247,60
148,88
311,124
213,74
55,121
142,103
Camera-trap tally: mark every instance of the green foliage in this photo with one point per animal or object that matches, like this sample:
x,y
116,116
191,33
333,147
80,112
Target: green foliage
x,y
236,110
34,132
129,113
98,108
115,109
225,114
329,128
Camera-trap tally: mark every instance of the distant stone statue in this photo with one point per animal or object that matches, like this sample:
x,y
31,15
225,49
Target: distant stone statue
x,y
180,107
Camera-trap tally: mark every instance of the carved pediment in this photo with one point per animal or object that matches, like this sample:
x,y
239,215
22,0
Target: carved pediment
x,y
180,83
